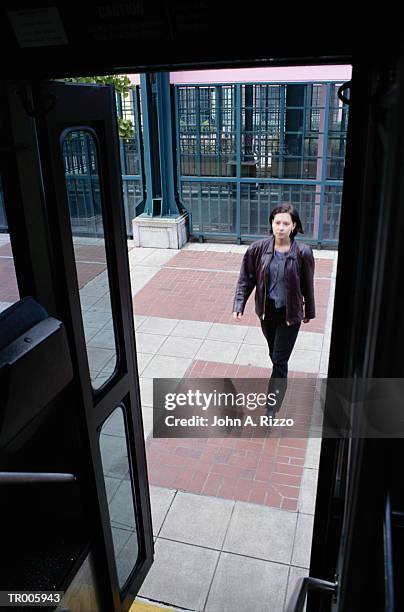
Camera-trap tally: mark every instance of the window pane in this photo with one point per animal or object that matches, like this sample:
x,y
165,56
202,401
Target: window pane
x,y
207,130
8,282
86,216
115,464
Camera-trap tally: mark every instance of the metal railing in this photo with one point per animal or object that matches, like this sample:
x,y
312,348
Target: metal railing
x,y
242,149
245,148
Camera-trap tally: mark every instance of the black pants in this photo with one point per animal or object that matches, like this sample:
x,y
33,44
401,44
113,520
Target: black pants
x,y
281,339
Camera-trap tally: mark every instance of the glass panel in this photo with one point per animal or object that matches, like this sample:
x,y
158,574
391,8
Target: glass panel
x,y
86,217
115,464
8,282
206,131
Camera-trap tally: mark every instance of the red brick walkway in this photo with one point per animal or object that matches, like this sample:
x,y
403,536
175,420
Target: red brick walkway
x,y
199,292
264,470
212,369
199,286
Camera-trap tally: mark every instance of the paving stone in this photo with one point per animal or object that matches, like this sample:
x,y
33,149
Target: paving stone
x,y
99,357
192,329
195,246
96,318
120,537
312,458
148,343
104,304
180,347
215,350
139,319
114,425
146,391
253,355
302,544
127,558
147,414
242,584
159,325
160,257
161,500
305,361
111,486
114,456
228,333
255,336
308,491
309,340
143,360
89,332
181,574
262,532
121,508
219,248
196,519
162,366
88,301
103,339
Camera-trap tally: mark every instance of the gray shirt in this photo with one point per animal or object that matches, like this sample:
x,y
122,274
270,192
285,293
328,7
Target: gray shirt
x,y
276,283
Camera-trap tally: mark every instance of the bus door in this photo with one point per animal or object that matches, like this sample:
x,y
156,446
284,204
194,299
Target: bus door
x,y
67,226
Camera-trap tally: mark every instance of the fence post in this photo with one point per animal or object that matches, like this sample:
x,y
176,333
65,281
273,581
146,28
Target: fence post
x,y
324,164
237,111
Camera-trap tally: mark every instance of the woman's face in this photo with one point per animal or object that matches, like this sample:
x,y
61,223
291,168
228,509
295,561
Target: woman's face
x,y
282,225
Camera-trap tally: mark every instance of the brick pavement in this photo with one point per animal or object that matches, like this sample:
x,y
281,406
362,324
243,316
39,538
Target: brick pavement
x,y
199,286
191,287
265,470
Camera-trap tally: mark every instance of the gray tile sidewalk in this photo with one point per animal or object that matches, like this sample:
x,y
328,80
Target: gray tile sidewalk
x,y
253,555
210,553
259,563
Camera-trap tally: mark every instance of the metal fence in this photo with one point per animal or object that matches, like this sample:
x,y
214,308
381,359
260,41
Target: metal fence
x,y
242,149
245,148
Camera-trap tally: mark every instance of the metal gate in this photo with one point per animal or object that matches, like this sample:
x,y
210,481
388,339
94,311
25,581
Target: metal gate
x,y
245,148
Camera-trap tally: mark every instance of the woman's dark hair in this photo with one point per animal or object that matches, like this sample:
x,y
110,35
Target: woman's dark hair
x,y
287,208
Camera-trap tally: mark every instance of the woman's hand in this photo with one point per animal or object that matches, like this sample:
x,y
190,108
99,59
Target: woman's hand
x,y
237,316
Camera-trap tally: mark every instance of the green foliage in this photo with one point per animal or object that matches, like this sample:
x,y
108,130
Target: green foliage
x,y
120,81
125,128
122,85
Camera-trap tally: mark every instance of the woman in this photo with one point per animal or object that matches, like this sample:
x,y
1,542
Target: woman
x,y
282,272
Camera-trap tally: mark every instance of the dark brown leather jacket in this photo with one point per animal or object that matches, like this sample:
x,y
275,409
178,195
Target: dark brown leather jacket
x,y
299,280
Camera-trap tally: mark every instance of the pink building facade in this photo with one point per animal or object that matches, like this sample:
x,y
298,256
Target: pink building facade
x,y
290,74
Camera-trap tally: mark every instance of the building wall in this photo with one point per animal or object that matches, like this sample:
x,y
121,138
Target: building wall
x,y
290,74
